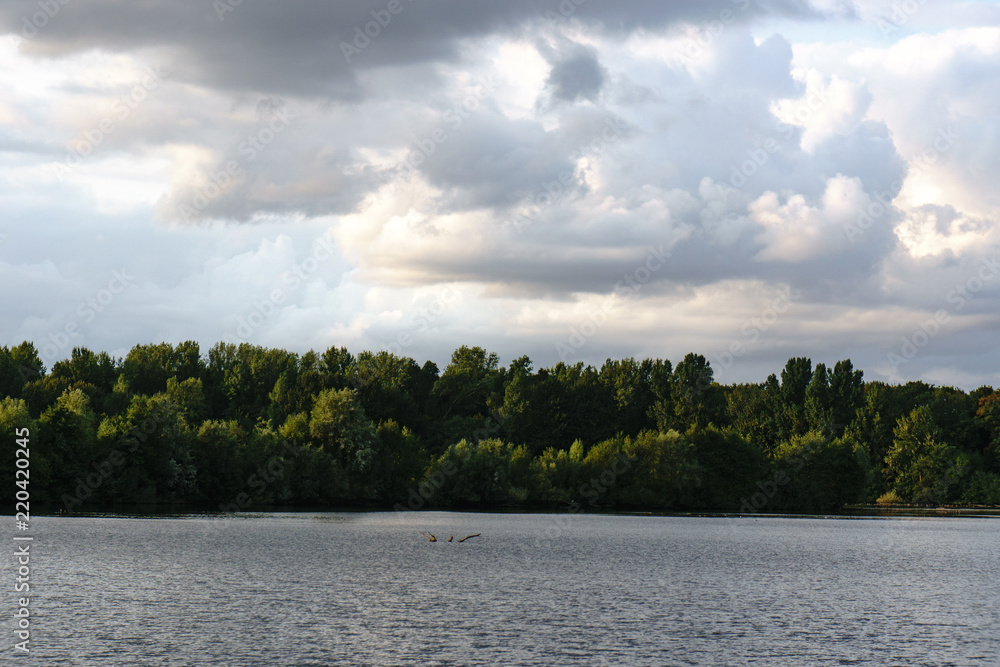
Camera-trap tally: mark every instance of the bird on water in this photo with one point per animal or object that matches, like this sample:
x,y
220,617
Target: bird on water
x,y
430,537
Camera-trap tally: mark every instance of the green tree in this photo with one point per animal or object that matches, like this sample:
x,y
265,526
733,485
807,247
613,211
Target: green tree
x,y
154,443
573,404
754,411
468,384
795,379
189,396
398,462
339,426
42,393
14,415
662,471
556,475
118,400
918,463
297,387
954,412
387,387
727,469
988,413
983,488
847,394
18,366
791,413
519,411
166,424
488,474
98,370
218,456
339,368
628,383
814,473
696,400
187,362
872,429
148,367
65,445
240,380
296,429
661,412
819,401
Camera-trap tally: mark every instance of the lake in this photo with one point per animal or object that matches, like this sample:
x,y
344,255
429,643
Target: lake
x,y
533,589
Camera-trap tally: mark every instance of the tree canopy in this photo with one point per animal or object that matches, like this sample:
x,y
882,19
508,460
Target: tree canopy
x,y
241,425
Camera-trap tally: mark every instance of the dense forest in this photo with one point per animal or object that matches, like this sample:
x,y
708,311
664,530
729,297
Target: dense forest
x,y
246,425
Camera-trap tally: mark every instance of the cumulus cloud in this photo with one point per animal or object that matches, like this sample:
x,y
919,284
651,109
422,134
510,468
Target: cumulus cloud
x,y
530,156
576,76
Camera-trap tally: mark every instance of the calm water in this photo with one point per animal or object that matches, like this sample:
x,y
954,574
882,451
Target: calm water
x,y
367,589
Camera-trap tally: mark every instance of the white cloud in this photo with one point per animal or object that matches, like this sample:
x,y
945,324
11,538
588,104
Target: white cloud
x,y
548,160
794,231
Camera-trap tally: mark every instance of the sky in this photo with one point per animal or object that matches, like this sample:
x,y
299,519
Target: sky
x,y
572,180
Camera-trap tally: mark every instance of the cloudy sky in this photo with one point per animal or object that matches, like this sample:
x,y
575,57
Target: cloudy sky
x,y
572,180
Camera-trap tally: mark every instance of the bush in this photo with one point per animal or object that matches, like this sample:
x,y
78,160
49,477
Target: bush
x,y
983,488
890,498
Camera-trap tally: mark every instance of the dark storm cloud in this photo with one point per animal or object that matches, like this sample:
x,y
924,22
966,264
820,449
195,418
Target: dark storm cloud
x,y
298,47
692,263
492,161
579,76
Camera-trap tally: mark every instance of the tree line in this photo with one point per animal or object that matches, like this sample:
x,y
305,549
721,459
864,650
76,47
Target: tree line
x,y
245,425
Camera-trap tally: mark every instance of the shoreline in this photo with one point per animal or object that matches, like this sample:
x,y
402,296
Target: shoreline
x,y
848,512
